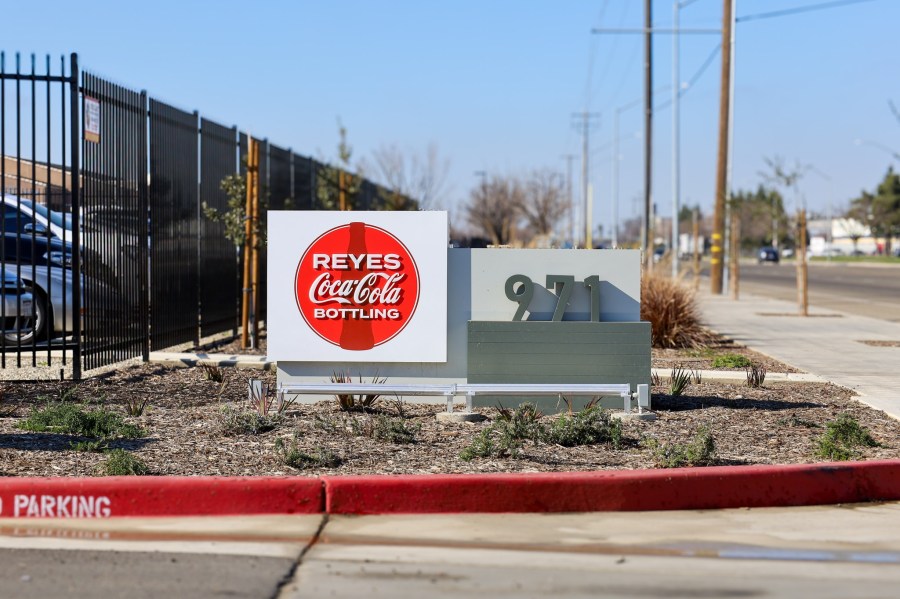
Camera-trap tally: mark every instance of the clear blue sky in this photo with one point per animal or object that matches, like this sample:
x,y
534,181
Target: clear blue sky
x,y
494,83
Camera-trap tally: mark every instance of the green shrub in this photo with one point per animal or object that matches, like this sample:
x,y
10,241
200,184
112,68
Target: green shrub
x,y
121,463
521,424
482,446
842,438
672,311
699,452
393,430
679,381
731,361
383,428
291,455
239,422
93,446
508,433
71,419
590,426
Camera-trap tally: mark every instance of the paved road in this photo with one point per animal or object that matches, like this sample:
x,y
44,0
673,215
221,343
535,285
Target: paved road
x,y
866,290
822,552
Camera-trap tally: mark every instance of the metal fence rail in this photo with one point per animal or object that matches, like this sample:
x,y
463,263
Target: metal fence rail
x,y
37,154
174,226
219,285
304,182
114,215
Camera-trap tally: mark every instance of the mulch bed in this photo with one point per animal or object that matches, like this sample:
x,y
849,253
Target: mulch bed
x,y
186,415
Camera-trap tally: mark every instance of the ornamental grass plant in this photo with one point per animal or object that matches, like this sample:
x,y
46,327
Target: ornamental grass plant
x,y
672,311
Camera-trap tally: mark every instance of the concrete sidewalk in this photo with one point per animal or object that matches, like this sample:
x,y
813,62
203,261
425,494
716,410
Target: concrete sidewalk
x,y
827,343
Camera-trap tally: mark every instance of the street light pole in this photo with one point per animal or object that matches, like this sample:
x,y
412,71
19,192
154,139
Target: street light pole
x,y
676,142
614,195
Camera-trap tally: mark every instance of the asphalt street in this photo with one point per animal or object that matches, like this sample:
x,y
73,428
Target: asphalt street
x,y
866,290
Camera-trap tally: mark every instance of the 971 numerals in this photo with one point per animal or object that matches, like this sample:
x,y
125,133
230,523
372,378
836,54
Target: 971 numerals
x,y
520,289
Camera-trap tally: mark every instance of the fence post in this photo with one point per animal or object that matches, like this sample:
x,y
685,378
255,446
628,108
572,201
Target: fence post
x,y
76,216
144,251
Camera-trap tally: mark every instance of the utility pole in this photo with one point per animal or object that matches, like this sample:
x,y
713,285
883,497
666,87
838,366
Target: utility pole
x,y
586,118
718,233
569,158
647,237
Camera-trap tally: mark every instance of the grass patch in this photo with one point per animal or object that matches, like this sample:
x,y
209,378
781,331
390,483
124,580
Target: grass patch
x,y
700,451
482,446
72,419
383,428
121,463
591,426
291,455
842,439
731,361
507,435
240,422
92,446
795,420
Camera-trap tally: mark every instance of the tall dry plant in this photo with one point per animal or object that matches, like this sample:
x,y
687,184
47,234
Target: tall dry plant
x,y
671,309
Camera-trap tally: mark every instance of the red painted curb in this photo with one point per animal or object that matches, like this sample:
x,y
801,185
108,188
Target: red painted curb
x,y
644,490
157,496
632,490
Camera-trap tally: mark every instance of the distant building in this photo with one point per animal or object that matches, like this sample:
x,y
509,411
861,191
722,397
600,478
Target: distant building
x,y
836,237
33,180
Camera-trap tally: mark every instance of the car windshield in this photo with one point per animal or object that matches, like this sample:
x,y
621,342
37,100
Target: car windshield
x,y
60,219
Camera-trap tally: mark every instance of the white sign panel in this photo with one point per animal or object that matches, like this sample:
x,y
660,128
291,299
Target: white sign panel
x,y
92,119
357,286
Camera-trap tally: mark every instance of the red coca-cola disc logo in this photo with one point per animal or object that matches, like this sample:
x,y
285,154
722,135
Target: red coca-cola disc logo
x,y
357,286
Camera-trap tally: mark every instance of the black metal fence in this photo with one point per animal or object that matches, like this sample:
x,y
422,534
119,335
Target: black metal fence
x,y
219,289
110,229
99,180
39,152
174,225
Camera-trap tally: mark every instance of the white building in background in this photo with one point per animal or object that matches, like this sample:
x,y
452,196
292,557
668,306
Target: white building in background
x,y
835,237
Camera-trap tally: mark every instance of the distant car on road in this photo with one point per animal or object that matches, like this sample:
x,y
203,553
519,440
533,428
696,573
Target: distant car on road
x,y
767,254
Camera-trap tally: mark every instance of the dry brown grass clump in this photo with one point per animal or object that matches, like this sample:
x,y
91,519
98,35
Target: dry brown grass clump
x,y
671,309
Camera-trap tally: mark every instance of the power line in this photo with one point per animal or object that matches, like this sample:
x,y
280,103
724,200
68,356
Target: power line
x,y
798,9
694,78
589,87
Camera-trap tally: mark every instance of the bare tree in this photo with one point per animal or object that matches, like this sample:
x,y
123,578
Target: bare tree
x,y
495,209
422,177
544,201
338,187
780,175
